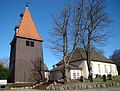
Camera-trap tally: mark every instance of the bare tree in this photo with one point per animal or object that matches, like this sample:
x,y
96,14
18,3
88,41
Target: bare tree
x,y
82,23
38,70
60,34
90,20
5,61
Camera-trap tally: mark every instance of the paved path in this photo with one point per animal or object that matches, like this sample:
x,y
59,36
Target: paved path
x,y
102,89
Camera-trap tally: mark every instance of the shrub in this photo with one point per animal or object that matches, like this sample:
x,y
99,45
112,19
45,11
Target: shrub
x,y
96,75
104,78
91,78
81,79
4,72
109,76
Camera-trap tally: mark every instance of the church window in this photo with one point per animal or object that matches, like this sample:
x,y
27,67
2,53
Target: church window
x,y
99,68
110,68
105,68
74,75
27,43
78,75
30,43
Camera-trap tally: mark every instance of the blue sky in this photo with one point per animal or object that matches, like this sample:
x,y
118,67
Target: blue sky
x,y
42,11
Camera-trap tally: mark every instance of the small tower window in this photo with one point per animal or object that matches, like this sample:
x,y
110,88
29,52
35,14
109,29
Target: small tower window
x,y
30,43
27,43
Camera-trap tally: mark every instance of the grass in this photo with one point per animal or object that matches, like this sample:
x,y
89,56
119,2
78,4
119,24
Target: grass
x,y
96,80
21,84
17,85
116,78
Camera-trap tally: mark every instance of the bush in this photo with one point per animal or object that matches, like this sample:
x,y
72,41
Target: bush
x,y
104,78
109,76
91,78
81,79
4,72
96,75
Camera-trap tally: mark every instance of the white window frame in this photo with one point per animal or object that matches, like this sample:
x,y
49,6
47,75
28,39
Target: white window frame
x,y
110,69
74,75
99,68
78,74
105,66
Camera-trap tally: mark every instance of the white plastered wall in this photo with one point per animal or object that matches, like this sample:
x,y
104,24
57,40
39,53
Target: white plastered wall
x,y
95,69
110,68
84,69
84,72
83,65
47,74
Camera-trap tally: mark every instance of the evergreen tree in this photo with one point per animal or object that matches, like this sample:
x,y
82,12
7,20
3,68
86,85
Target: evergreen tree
x,y
116,58
4,72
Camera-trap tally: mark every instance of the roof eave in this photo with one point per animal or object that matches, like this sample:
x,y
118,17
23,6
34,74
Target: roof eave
x,y
30,38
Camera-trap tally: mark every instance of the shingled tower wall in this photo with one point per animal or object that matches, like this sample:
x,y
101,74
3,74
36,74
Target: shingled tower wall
x,y
26,47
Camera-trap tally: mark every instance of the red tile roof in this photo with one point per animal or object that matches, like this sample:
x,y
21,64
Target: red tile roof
x,y
27,28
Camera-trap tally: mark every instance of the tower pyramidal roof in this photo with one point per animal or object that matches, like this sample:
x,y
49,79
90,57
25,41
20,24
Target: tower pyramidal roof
x,y
27,28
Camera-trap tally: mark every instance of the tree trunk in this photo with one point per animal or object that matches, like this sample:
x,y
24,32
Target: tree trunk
x,y
67,75
65,49
89,66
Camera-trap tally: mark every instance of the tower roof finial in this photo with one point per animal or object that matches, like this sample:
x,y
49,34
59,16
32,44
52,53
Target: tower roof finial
x,y
27,3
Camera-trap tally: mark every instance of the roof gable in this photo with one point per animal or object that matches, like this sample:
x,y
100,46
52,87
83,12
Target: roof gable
x,y
27,28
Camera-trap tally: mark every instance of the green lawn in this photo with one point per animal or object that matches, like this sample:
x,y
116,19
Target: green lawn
x,y
114,79
95,80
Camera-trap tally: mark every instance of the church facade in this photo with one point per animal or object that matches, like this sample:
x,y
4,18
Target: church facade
x,y
26,49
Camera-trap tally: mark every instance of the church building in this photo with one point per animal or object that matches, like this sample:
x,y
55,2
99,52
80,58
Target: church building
x,y
100,65
26,49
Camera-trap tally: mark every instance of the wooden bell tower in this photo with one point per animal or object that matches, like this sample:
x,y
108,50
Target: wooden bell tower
x,y
26,47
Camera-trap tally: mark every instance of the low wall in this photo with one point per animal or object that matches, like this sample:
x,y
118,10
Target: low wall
x,y
83,86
